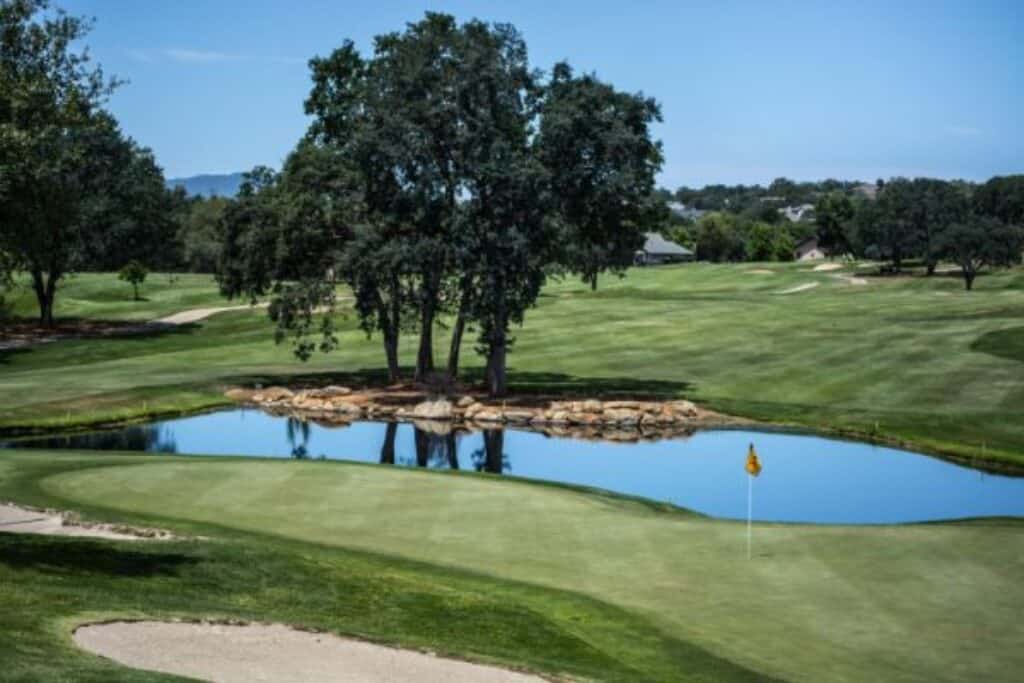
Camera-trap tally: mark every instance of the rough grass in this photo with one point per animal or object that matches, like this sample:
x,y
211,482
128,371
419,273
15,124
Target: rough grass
x,y
912,359
617,590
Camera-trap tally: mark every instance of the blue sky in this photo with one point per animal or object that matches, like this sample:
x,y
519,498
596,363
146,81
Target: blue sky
x,y
749,90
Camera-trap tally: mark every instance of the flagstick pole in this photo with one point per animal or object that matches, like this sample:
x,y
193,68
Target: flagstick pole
x,y
750,509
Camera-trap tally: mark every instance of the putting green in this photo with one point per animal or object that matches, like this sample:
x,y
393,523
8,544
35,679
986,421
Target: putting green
x,y
925,602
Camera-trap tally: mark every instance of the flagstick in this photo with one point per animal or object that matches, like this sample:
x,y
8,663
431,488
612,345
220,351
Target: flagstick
x,y
750,509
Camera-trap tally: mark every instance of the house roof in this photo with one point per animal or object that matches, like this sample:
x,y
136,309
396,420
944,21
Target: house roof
x,y
807,244
656,244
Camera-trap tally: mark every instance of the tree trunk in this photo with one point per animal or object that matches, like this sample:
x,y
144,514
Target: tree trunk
x,y
391,352
389,317
496,359
453,352
387,450
459,329
497,347
135,289
45,288
969,275
425,355
931,268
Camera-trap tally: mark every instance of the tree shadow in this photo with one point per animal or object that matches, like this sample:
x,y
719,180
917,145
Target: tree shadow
x,y
1007,343
520,383
62,554
117,331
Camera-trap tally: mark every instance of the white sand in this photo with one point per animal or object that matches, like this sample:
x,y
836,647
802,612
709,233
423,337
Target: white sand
x,y
15,519
799,288
194,315
255,652
850,279
761,271
828,266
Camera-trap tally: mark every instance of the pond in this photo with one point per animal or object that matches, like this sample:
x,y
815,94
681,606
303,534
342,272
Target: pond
x,y
805,478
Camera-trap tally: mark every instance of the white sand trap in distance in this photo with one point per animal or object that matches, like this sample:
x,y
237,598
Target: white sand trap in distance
x,y
761,271
799,288
257,652
824,267
850,279
19,520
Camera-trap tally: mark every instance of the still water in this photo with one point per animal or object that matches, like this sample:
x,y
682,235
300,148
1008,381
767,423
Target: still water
x,y
805,478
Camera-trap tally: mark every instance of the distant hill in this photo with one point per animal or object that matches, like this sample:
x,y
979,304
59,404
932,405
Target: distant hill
x,y
209,185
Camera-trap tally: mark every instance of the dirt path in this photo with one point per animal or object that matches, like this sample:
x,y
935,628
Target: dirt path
x,y
220,652
15,519
194,315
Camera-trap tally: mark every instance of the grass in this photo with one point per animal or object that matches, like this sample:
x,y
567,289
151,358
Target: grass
x,y
103,296
552,579
543,577
50,584
909,359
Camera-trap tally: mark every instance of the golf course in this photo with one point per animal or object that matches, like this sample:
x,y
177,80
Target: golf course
x,y
560,581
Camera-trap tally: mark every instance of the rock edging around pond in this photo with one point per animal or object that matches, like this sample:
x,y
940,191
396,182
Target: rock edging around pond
x,y
624,419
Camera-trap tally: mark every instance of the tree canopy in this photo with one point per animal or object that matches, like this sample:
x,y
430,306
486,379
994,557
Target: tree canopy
x,y
444,176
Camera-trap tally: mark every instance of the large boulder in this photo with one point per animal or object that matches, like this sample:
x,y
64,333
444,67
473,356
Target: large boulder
x,y
519,416
333,391
623,405
273,395
466,401
620,416
591,406
683,408
439,409
347,408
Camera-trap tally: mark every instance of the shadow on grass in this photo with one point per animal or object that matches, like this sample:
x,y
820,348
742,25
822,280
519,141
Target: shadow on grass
x,y
519,383
75,555
1008,343
26,340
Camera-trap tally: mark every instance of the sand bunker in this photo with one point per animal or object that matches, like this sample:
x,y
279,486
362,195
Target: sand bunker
x,y
827,266
799,288
256,652
15,519
850,279
761,271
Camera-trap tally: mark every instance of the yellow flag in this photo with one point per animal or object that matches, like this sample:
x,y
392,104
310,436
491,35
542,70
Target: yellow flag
x,y
753,464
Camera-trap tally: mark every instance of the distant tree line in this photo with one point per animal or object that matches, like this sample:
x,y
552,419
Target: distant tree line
x,y
920,220
927,220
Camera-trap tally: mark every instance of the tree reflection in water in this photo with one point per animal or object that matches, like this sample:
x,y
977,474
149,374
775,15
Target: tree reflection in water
x,y
492,457
437,450
297,432
149,438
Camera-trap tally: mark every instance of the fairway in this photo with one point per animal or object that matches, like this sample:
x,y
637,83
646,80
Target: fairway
x,y
911,359
922,602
